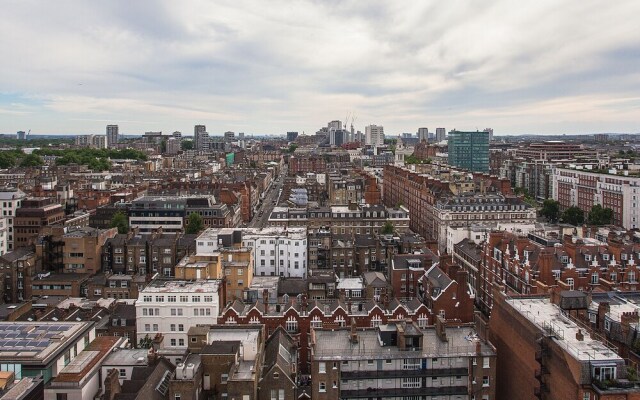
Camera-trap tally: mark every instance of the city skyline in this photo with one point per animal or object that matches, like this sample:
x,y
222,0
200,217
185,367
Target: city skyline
x,y
75,67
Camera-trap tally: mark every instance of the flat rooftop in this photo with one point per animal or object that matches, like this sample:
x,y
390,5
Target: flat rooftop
x,y
335,345
244,372
88,359
350,283
126,357
35,342
163,286
549,318
274,231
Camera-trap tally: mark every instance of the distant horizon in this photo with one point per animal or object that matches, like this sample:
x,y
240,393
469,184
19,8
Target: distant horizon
x,y
540,67
387,136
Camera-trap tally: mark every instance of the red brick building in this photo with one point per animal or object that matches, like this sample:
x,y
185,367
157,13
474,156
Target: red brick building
x,y
529,266
298,317
544,354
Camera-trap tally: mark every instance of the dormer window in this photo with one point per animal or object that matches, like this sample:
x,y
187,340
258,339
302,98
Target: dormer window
x,y
623,256
605,257
587,257
564,259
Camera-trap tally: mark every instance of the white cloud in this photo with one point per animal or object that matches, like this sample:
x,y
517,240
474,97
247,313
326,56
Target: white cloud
x,y
261,67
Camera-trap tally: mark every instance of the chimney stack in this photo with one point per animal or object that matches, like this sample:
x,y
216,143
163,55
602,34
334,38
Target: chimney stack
x,y
354,334
579,335
441,328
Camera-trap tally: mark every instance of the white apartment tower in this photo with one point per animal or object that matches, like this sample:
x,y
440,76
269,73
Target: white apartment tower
x,y
10,200
278,251
171,307
374,135
441,134
198,132
113,135
335,125
423,134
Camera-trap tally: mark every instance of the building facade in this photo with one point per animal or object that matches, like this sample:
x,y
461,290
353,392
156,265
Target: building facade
x,y
10,200
585,188
374,135
401,360
113,136
170,308
469,150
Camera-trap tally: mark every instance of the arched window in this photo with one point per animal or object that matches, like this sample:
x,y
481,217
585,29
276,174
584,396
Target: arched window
x,y
292,325
422,321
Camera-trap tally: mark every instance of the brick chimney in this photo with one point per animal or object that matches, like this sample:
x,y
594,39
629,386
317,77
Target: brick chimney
x,y
603,309
353,337
111,385
626,320
441,328
545,265
265,297
579,335
152,356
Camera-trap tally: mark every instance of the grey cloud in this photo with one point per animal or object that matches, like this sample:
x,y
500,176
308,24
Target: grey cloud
x,y
277,66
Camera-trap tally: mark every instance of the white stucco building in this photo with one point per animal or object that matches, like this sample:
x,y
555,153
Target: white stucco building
x,y
278,251
171,307
10,201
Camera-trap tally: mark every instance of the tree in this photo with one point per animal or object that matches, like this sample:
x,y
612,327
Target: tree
x,y
119,220
387,228
163,146
292,148
145,342
551,210
7,159
194,223
573,215
600,215
186,144
31,160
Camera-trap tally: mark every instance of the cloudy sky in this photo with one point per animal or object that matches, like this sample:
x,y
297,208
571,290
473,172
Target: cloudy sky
x,y
275,66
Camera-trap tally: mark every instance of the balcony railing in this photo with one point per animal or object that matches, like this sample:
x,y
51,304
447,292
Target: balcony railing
x,y
404,373
401,392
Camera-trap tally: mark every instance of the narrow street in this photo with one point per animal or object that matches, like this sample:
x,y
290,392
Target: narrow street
x,y
261,217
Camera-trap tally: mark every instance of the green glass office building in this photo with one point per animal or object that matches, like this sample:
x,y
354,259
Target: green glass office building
x,y
469,150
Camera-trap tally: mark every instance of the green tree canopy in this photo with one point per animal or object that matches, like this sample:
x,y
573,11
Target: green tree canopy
x,y
119,220
8,159
186,144
31,160
194,223
600,215
145,343
95,159
573,215
550,210
387,228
